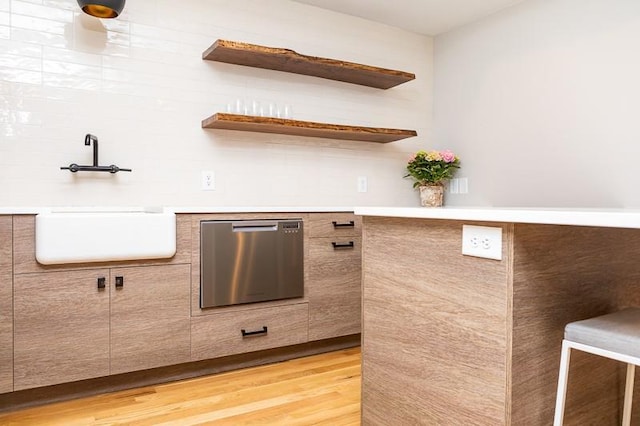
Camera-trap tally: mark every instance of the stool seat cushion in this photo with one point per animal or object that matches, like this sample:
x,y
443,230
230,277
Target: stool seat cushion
x,y
617,332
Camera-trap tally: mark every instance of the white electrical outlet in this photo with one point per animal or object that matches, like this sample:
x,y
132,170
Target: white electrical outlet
x,y
482,241
208,180
362,184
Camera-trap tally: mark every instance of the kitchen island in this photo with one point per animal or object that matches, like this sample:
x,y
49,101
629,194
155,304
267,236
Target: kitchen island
x,y
461,340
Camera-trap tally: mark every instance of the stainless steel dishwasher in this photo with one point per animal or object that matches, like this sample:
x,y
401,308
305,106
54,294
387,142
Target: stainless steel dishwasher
x,y
247,261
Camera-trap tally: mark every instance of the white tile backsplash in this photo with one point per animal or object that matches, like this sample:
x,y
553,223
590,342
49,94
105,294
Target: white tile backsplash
x,y
140,85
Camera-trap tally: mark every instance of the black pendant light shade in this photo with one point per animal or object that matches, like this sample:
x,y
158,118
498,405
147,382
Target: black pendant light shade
x,y
102,8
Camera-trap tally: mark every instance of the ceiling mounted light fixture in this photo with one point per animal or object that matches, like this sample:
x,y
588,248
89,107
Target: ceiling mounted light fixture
x,y
102,8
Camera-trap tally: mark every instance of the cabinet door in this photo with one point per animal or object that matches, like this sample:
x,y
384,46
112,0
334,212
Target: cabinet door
x,y
150,317
61,322
334,287
6,306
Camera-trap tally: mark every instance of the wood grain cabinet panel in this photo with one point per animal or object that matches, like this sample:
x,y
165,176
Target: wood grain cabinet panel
x,y
6,305
61,322
435,323
334,225
334,287
461,340
150,317
334,274
221,334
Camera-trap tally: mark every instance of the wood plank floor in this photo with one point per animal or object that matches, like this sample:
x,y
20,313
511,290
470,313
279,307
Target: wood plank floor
x,y
315,390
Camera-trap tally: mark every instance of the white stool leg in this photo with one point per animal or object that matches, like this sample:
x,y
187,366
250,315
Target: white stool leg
x,y
562,383
628,395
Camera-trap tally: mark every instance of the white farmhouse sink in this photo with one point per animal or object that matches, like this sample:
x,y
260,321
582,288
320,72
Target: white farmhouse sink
x,y
77,235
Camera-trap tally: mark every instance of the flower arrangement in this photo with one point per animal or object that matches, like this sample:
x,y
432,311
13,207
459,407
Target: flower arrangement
x,y
432,167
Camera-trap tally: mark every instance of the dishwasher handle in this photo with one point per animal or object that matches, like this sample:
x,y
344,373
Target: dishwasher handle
x,y
254,226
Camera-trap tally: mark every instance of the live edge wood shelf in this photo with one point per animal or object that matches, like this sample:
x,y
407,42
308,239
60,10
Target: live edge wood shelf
x,y
252,55
282,126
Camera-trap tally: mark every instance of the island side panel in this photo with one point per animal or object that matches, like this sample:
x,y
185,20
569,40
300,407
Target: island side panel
x,y
6,305
564,274
435,340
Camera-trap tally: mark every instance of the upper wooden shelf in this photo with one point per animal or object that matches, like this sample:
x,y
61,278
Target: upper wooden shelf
x,y
253,55
282,126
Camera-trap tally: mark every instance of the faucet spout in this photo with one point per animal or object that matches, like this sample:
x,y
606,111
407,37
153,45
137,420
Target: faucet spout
x,y
73,167
87,141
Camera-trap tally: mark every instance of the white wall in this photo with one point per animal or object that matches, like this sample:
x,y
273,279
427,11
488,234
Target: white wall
x,y
542,102
139,84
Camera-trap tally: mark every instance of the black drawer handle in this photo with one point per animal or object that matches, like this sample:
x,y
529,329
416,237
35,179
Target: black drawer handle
x,y
349,224
119,282
337,246
246,333
102,283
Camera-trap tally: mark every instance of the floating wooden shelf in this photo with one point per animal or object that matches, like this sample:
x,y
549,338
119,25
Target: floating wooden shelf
x,y
253,55
283,126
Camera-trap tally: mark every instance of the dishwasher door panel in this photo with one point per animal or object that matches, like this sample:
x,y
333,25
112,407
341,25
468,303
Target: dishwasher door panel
x,y
250,261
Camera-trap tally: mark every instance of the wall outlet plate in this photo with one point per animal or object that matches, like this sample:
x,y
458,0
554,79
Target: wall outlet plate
x,y
208,180
362,184
482,241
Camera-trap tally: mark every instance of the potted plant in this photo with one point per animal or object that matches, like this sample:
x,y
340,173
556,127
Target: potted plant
x,y
430,170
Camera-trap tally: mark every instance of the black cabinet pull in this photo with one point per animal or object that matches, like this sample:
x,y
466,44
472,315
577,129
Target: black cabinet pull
x,y
349,224
102,283
119,282
246,333
337,246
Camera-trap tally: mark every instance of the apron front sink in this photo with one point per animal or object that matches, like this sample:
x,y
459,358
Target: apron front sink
x,y
76,236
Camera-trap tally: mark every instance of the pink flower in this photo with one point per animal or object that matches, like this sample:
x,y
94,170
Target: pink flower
x,y
448,156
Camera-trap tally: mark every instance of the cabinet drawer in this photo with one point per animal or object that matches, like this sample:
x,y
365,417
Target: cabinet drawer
x,y
221,334
334,256
334,224
334,287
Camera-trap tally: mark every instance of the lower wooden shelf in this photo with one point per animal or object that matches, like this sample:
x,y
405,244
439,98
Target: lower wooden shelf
x,y
283,126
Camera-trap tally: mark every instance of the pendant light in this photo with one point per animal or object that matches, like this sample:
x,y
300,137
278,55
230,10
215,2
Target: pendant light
x,y
102,8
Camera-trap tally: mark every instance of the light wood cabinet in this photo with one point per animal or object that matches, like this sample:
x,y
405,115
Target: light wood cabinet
x,y
462,340
234,332
150,317
334,225
334,275
6,305
75,325
61,327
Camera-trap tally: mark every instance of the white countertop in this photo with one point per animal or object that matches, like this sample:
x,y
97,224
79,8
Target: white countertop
x,y
614,218
174,209
257,209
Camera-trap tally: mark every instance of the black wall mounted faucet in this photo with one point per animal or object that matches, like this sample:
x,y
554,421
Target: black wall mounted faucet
x,y
73,167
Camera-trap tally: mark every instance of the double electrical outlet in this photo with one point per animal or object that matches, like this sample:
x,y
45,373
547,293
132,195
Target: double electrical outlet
x,y
208,182
482,241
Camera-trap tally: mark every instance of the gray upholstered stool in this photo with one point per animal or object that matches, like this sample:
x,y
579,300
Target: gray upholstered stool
x,y
615,336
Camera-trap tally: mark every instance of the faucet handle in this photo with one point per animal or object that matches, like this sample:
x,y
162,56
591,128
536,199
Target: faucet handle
x,y
73,167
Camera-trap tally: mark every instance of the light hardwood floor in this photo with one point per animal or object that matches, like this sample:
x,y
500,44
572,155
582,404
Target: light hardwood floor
x,y
320,389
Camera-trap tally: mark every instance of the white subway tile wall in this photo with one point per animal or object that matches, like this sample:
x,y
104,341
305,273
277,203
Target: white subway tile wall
x,y
138,83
